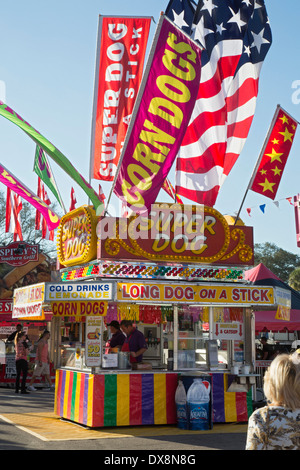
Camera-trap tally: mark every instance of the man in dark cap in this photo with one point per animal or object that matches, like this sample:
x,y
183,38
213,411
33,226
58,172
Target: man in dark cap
x,y
135,342
118,337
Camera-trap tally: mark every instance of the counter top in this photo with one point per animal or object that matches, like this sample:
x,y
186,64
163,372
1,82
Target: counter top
x,y
149,371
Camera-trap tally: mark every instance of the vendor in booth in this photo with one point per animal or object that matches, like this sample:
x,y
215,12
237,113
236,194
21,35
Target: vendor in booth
x,y
135,342
118,338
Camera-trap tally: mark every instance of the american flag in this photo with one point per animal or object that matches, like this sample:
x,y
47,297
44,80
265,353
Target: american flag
x,y
236,37
13,209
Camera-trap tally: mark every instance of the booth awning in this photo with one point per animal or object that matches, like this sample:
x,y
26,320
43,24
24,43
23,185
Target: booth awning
x,y
265,321
261,275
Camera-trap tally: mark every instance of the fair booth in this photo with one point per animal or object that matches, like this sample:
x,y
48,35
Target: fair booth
x,y
178,274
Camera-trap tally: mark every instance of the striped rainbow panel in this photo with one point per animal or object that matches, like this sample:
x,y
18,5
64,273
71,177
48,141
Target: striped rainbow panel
x,y
137,399
116,399
74,396
229,406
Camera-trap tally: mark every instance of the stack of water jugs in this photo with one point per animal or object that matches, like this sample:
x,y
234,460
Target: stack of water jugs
x,y
193,407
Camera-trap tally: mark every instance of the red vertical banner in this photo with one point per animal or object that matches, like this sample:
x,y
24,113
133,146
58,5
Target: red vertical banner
x,y
274,154
121,52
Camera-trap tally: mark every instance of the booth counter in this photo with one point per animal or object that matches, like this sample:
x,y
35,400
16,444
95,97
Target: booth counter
x,y
117,398
138,398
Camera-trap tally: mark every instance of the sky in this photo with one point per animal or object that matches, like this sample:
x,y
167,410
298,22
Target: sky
x,y
47,68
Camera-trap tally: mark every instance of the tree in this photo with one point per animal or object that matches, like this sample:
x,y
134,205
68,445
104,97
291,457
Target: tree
x,y
294,279
279,261
30,235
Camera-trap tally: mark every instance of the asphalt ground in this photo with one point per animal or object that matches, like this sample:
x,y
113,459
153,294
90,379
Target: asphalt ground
x,y
28,422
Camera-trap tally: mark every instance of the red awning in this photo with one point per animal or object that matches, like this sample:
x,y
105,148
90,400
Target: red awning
x,y
265,321
260,272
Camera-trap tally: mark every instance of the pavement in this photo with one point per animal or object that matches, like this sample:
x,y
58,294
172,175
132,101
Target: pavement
x,y
28,422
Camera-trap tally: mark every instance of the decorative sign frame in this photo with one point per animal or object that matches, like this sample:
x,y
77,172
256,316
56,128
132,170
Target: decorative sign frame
x,y
176,233
76,237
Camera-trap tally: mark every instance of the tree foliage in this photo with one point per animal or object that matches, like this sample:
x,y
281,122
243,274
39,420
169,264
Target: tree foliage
x,y
281,262
294,279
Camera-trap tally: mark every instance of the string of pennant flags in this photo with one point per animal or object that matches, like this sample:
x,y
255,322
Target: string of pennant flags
x,y
265,180
262,207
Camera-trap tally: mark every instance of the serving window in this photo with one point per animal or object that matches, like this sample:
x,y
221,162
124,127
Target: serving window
x,y
70,337
198,325
183,340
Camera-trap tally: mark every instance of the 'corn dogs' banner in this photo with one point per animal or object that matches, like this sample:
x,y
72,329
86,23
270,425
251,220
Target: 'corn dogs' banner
x,y
9,180
162,111
54,153
120,59
72,309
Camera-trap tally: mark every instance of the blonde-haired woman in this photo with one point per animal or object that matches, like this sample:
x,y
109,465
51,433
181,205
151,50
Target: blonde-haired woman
x,y
277,425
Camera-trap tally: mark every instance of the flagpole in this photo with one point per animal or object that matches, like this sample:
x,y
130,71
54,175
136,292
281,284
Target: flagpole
x,y
171,189
56,187
258,161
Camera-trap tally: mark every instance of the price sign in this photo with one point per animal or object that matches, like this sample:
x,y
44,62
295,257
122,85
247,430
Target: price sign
x,y
93,342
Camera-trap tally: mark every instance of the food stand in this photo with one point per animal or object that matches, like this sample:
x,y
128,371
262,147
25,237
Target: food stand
x,y
178,274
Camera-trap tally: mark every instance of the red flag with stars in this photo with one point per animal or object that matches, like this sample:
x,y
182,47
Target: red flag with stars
x,y
274,154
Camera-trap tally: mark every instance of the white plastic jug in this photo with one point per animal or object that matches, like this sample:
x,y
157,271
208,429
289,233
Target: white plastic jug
x,y
181,406
198,398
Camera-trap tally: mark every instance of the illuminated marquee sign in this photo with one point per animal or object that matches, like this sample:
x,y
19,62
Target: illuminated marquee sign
x,y
202,294
176,233
113,269
76,237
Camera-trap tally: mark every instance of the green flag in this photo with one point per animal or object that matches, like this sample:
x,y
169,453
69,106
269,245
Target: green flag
x,y
54,153
43,170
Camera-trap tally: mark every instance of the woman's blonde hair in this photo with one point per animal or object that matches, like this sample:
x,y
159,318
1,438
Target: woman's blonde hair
x,y
282,382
